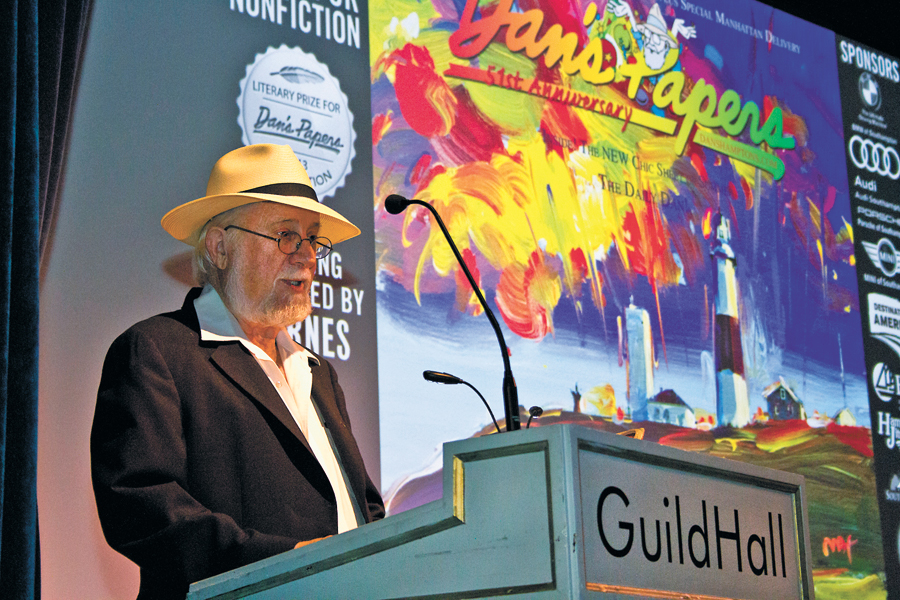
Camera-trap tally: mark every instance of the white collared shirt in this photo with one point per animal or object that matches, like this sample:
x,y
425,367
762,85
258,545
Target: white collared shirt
x,y
218,324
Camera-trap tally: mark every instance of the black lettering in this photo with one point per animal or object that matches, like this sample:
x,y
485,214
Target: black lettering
x,y
651,557
624,525
262,118
772,546
678,522
668,541
761,542
728,535
703,532
781,541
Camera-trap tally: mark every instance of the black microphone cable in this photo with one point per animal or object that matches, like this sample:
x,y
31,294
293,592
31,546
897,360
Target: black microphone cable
x,y
448,379
395,204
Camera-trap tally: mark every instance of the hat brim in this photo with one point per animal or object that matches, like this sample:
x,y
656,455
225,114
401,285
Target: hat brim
x,y
645,29
185,222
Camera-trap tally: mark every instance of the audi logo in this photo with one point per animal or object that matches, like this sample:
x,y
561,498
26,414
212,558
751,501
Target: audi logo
x,y
874,157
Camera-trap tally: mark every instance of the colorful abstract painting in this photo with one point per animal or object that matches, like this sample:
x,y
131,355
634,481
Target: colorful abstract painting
x,y
654,198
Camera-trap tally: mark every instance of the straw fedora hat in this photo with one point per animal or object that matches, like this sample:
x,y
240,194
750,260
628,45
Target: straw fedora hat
x,y
257,173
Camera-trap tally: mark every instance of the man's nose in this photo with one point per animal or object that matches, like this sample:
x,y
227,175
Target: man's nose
x,y
306,252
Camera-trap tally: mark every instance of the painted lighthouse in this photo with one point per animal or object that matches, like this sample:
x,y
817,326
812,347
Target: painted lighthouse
x,y
640,360
732,405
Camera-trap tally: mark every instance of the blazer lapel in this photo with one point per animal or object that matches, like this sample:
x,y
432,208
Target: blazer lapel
x,y
243,369
344,443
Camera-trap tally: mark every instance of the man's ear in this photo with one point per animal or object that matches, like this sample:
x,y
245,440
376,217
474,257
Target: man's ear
x,y
215,247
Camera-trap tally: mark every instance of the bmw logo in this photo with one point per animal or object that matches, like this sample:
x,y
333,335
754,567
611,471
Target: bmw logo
x,y
869,91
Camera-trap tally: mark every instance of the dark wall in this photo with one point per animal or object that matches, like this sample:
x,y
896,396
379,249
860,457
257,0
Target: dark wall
x,y
875,23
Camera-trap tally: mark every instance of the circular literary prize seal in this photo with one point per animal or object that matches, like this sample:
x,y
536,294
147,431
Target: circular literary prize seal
x,y
289,97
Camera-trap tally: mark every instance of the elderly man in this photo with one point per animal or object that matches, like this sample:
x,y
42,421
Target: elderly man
x,y
218,441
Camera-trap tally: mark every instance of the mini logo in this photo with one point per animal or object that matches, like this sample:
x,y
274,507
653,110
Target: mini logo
x,y
885,382
883,255
874,157
869,91
289,97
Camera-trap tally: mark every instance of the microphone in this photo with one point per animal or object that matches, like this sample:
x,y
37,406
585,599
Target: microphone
x,y
534,411
396,204
438,377
448,379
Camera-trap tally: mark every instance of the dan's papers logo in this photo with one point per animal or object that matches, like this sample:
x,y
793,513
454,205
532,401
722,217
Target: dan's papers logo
x,y
289,97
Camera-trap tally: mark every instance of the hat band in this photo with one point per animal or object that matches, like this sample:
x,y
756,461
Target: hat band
x,y
285,189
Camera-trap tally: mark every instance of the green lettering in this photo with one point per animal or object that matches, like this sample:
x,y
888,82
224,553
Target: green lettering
x,y
774,133
729,108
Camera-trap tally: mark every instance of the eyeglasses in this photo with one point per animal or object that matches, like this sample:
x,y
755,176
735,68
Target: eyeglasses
x,y
290,241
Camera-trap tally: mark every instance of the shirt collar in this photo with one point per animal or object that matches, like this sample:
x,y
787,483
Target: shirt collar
x,y
217,324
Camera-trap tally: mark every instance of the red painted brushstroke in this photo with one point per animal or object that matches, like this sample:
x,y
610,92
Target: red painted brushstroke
x,y
381,123
522,314
829,199
465,300
768,105
559,122
736,231
579,264
473,137
697,162
431,174
420,168
858,438
748,193
693,441
423,95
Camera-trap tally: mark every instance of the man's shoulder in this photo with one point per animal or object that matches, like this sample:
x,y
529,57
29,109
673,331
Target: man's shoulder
x,y
180,324
173,322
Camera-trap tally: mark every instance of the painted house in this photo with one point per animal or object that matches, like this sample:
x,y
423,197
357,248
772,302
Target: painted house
x,y
783,402
845,417
668,407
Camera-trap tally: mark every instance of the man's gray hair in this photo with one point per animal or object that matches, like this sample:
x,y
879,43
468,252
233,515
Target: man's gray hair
x,y
205,270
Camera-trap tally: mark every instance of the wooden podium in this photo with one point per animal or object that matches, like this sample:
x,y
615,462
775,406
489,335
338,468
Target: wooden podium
x,y
562,511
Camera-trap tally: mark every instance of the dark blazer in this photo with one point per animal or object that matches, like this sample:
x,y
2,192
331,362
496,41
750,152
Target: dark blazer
x,y
198,466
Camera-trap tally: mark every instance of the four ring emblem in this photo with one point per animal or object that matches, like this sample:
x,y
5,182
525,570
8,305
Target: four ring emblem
x,y
874,157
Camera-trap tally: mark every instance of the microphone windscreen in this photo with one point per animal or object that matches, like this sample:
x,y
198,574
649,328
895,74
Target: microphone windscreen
x,y
438,377
395,204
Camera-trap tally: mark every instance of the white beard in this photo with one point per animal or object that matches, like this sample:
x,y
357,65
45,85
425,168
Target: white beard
x,y
267,312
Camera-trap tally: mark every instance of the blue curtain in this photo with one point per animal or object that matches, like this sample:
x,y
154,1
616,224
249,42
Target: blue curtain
x,y
35,106
19,262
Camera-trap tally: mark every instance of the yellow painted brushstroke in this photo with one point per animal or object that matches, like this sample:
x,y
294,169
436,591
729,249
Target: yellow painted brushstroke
x,y
787,441
842,472
847,586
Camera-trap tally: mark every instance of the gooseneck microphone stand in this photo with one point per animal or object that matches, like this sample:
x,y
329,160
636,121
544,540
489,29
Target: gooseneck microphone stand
x,y
395,204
